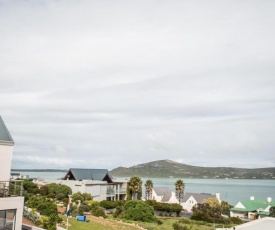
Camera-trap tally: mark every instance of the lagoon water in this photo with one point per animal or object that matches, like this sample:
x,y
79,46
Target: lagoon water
x,y
231,190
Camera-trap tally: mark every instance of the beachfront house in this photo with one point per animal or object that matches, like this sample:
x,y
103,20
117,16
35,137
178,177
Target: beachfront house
x,y
251,209
191,199
98,182
11,200
164,194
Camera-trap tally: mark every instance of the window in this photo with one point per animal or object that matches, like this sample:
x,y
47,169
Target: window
x,y
7,219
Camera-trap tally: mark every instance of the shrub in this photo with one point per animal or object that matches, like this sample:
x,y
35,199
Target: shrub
x,y
108,204
159,222
235,220
185,221
98,211
178,226
93,203
119,212
83,208
139,211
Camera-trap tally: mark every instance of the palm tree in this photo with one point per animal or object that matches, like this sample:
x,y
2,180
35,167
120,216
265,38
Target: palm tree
x,y
148,189
179,186
135,186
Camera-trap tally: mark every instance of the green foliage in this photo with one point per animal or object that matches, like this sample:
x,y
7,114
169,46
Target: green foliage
x,y
44,190
272,211
83,208
159,206
98,211
185,221
59,189
148,189
49,222
135,187
119,212
225,208
30,187
138,210
81,197
77,196
93,203
42,205
179,226
235,220
108,204
179,187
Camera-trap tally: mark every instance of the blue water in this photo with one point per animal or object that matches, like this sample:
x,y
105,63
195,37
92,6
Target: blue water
x,y
231,190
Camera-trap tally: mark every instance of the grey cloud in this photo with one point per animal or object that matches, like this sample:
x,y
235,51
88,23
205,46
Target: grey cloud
x,y
138,81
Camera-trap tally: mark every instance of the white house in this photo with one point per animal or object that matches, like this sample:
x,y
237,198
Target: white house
x,y
98,182
191,199
11,205
164,194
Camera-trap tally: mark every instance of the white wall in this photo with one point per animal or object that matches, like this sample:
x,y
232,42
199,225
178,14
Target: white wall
x,y
5,162
188,205
14,203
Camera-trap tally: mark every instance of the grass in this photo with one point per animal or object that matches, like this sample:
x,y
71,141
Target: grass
x,y
168,224
79,225
107,224
111,224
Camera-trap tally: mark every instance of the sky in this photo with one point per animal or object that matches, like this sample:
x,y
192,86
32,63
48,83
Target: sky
x,y
109,83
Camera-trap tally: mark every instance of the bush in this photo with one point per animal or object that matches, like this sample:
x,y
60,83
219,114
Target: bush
x,y
235,220
83,208
138,210
185,221
93,203
159,222
98,211
108,204
119,212
178,226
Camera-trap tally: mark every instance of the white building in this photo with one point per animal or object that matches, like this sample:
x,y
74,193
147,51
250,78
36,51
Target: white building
x,y
98,182
191,199
11,205
164,194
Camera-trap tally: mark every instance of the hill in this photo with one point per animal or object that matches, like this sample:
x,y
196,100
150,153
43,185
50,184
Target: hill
x,y
168,168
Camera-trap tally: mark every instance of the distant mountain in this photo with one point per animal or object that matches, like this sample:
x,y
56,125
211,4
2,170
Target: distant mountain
x,y
168,168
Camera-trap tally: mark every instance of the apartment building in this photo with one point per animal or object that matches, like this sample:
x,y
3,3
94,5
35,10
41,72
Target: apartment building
x,y
11,202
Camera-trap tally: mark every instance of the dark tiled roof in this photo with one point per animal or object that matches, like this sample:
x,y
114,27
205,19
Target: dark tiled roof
x,y
5,137
199,197
89,174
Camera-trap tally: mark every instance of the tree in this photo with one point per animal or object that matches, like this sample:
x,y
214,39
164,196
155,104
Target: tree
x,y
179,187
59,189
135,187
139,210
272,211
148,189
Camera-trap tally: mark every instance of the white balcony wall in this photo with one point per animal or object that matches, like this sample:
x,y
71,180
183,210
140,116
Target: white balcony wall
x,y
5,161
14,203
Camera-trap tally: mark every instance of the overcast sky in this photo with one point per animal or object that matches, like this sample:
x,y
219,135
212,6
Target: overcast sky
x,y
102,84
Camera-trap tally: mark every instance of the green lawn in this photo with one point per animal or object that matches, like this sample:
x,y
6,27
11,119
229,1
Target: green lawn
x,y
168,224
107,224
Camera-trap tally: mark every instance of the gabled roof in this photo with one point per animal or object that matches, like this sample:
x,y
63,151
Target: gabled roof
x,y
253,205
5,137
89,174
199,197
165,192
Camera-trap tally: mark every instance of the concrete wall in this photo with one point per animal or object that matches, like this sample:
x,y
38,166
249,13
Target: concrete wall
x,y
5,161
14,203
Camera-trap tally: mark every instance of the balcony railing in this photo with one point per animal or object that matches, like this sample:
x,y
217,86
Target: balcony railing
x,y
11,188
110,191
